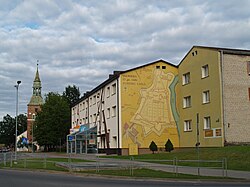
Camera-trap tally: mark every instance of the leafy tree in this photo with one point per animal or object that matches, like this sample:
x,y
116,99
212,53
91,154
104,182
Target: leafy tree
x,y
153,147
52,123
169,146
72,94
8,128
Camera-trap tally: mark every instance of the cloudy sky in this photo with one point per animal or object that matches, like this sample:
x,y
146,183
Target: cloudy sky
x,y
81,42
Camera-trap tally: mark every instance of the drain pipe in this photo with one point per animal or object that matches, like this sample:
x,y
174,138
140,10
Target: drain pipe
x,y
222,95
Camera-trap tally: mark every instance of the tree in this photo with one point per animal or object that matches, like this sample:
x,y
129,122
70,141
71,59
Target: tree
x,y
52,123
169,146
153,147
72,94
8,128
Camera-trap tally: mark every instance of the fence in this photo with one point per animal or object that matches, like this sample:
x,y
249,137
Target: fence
x,y
98,164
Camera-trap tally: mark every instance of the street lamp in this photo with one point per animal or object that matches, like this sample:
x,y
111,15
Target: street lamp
x,y
16,86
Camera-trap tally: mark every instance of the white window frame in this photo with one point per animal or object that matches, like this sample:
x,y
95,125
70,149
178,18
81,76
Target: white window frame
x,y
108,113
207,122
186,78
206,97
113,111
187,125
187,102
108,91
204,71
113,88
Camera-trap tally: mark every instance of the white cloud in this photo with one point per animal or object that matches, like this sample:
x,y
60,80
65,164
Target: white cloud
x,y
81,42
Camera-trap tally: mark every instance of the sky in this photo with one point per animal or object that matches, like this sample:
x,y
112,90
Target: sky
x,y
82,42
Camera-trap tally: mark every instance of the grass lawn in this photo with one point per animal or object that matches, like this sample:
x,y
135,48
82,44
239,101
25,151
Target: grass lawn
x,y
238,157
39,163
148,173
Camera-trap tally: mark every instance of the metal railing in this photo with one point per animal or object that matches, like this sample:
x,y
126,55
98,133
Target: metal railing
x,y
132,165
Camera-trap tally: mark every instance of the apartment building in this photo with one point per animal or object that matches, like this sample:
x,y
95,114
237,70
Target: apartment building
x,y
204,101
214,89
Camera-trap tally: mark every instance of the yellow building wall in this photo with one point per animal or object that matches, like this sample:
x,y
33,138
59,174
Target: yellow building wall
x,y
148,106
193,63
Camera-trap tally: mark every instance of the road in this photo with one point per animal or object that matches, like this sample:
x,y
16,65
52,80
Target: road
x,y
14,178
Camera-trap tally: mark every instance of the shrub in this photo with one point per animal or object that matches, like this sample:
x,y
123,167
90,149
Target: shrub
x,y
153,147
169,146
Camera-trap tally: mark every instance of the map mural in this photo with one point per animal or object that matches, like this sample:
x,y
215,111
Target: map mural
x,y
148,104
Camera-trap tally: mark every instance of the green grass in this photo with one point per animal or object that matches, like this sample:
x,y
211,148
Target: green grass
x,y
62,159
238,157
39,163
147,173
35,164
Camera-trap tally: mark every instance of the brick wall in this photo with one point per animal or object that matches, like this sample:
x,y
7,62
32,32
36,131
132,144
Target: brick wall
x,y
236,98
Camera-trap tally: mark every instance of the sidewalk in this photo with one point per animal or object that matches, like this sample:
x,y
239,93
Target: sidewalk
x,y
120,163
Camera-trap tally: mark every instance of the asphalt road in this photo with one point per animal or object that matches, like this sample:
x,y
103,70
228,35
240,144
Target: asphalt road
x,y
13,178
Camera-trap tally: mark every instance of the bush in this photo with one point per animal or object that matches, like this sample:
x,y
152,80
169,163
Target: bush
x,y
153,147
169,146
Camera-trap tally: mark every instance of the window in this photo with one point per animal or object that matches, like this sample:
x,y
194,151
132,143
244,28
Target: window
x,y
206,97
187,102
90,101
249,93
158,67
204,71
94,100
186,78
207,122
94,118
113,89
108,91
90,118
248,68
163,67
187,125
108,112
113,111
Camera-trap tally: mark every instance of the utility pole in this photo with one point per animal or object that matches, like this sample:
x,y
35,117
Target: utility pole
x,y
16,86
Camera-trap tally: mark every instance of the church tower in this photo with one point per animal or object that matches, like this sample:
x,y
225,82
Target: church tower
x,y
34,105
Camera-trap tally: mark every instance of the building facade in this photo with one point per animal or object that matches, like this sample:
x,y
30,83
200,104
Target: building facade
x,y
204,101
34,105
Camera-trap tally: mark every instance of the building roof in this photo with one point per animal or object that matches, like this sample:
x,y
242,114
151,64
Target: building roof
x,y
222,49
115,76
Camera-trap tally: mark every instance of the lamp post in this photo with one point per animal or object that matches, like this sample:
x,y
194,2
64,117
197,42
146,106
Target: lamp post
x,y
16,86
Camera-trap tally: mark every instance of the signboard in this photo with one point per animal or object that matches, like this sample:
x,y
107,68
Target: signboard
x,y
71,138
209,133
218,132
92,141
83,128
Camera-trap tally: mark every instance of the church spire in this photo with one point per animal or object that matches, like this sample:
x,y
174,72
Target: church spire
x,y
36,98
37,78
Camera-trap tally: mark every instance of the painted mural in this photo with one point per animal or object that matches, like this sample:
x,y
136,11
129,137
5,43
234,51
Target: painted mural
x,y
149,107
